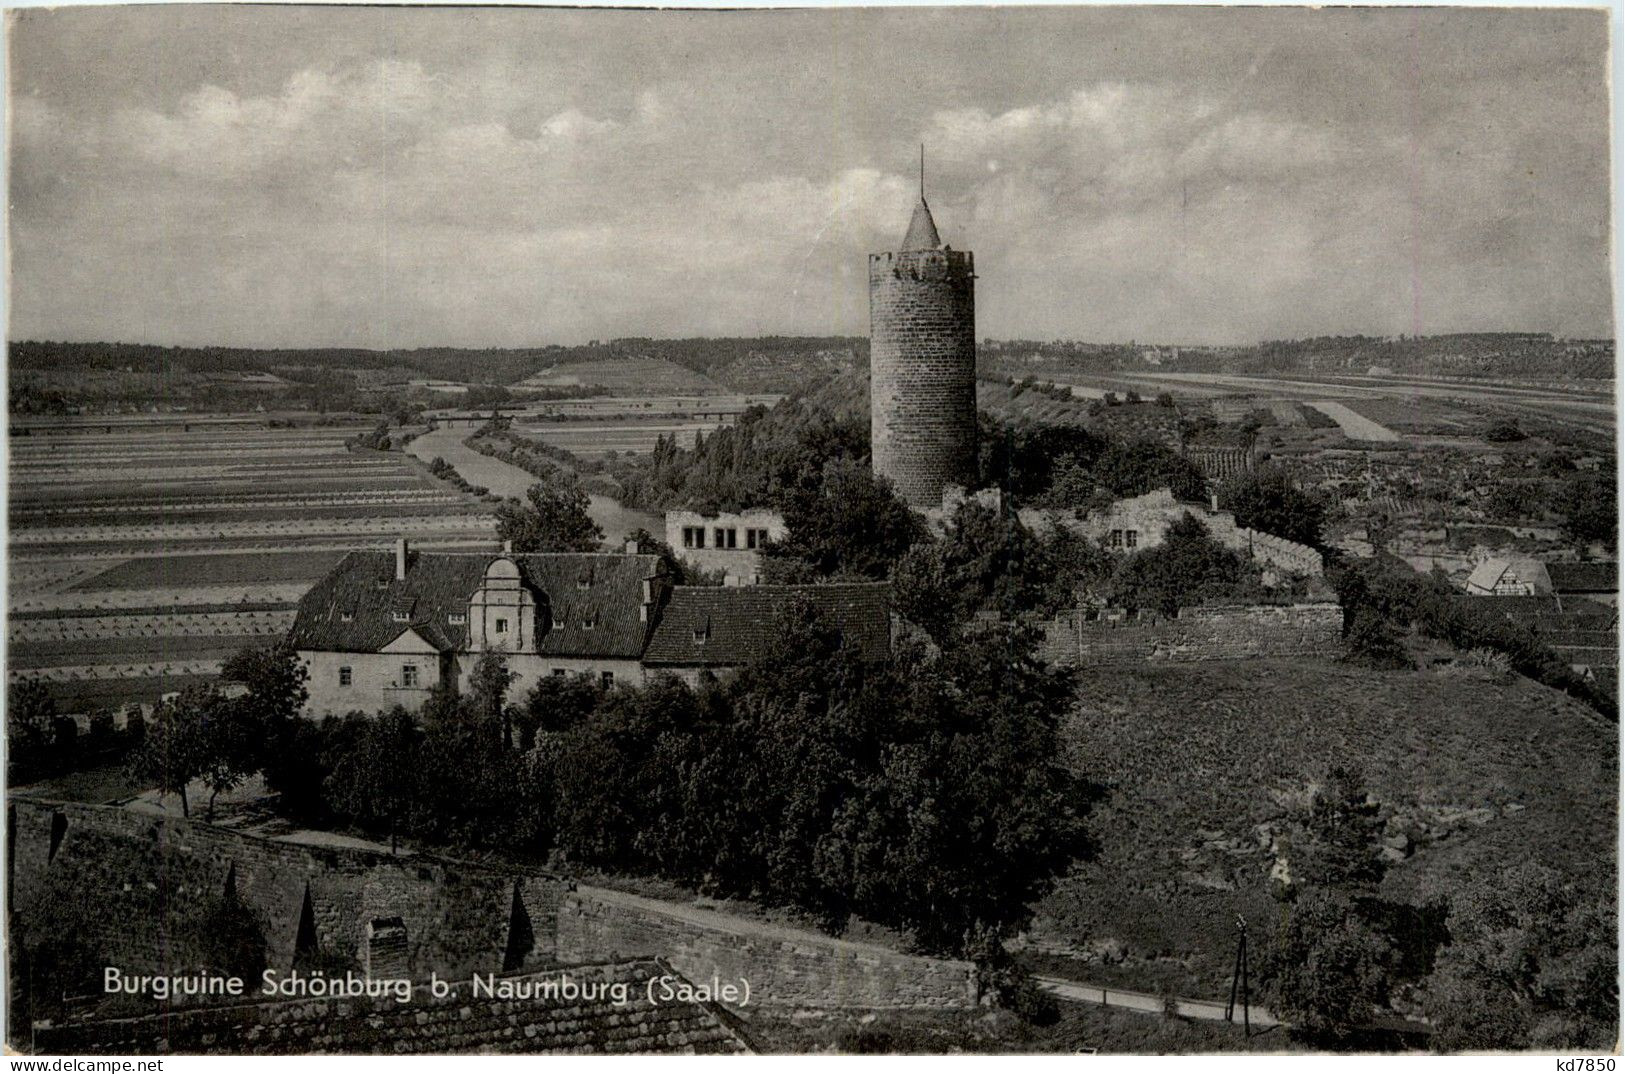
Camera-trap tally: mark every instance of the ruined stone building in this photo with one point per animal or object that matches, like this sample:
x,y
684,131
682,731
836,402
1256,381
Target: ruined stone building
x,y
1136,523
922,363
728,543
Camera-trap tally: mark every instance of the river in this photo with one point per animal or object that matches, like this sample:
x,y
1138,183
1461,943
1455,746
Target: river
x,y
505,479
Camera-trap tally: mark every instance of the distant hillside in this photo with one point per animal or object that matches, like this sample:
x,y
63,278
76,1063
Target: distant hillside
x,y
1202,761
1500,354
628,376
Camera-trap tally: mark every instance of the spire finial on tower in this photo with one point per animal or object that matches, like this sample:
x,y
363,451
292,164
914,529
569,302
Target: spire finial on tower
x,y
922,171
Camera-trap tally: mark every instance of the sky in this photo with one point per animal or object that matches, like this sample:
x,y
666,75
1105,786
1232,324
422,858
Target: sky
x,y
399,177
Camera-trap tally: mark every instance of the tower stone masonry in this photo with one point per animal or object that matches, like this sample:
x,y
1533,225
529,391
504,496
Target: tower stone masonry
x,y
922,364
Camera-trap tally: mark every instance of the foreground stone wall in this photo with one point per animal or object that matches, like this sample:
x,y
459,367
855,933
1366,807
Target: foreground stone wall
x,y
784,966
133,882
136,875
1231,632
609,1011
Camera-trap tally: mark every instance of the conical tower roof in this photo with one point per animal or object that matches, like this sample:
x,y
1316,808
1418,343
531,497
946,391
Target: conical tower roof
x,y
922,230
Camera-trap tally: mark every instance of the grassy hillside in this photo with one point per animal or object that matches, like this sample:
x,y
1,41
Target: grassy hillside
x,y
1202,762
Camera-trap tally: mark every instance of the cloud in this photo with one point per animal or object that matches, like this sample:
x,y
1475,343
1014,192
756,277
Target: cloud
x,y
470,196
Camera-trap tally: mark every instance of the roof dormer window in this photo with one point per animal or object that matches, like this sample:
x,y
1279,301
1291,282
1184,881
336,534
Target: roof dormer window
x,y
456,618
702,632
584,580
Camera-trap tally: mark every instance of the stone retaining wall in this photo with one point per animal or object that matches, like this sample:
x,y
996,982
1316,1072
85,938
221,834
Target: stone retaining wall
x,y
784,966
1229,632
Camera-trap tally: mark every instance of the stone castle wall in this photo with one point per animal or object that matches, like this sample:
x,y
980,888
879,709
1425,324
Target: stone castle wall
x,y
136,874
784,966
922,363
131,878
458,1022
1230,632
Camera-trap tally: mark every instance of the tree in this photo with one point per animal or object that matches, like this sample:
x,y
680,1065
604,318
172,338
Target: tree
x,y
844,522
1374,640
270,713
1590,509
30,714
1189,567
176,750
1326,972
229,747
1268,500
986,561
1531,963
489,684
274,679
1337,841
374,782
555,519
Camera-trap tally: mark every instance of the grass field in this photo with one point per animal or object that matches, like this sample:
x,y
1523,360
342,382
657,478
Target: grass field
x,y
141,550
1202,762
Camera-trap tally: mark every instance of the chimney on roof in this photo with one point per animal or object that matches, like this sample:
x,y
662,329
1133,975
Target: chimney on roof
x,y
400,559
507,548
1213,502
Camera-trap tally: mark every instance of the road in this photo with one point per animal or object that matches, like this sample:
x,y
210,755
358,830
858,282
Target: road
x,y
1149,1004
505,479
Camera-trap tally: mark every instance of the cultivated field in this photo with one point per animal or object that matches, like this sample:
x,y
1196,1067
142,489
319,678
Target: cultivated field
x,y
593,439
143,553
629,376
1400,403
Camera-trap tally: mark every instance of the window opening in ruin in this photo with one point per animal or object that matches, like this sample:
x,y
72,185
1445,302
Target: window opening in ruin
x,y
305,946
521,935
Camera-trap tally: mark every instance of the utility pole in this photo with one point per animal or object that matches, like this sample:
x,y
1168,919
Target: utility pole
x,y
1238,981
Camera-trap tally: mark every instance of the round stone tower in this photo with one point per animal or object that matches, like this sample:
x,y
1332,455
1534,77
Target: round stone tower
x,y
922,364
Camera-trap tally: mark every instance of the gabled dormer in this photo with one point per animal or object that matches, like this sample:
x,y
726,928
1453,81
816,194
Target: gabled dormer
x,y
502,612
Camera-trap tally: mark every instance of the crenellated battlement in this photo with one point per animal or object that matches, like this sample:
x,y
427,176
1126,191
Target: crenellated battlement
x,y
923,264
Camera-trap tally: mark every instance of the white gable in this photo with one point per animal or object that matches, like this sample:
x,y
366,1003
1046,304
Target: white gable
x,y
408,641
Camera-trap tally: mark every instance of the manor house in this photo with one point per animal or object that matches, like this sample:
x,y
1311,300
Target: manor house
x,y
382,629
